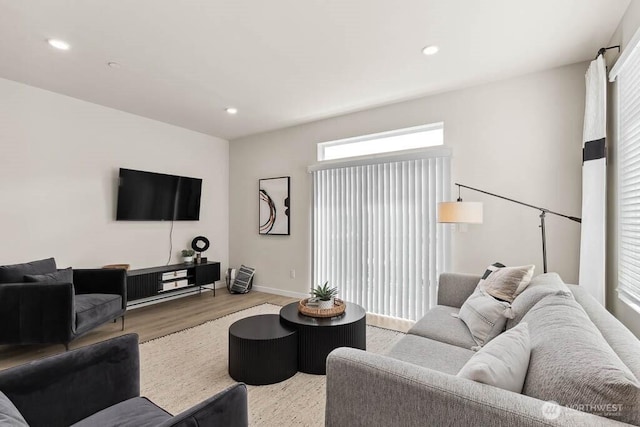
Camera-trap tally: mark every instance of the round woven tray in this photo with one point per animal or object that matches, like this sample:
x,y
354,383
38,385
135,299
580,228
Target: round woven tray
x,y
338,308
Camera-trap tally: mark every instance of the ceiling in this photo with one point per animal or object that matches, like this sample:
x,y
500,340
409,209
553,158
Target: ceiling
x,y
285,62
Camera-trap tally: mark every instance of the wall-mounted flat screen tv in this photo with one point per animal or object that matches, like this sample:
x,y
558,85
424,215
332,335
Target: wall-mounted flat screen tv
x,y
148,196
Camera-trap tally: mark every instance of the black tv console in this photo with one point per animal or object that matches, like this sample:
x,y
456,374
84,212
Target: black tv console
x,y
155,283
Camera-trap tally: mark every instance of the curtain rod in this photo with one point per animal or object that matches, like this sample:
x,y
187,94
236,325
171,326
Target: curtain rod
x,y
603,50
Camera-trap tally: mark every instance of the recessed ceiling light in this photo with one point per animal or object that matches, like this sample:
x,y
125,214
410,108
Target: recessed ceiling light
x,y
59,44
113,64
231,110
430,50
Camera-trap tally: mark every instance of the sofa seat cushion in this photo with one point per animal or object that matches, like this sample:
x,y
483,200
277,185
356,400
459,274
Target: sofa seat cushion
x,y
571,363
439,325
95,309
136,412
431,354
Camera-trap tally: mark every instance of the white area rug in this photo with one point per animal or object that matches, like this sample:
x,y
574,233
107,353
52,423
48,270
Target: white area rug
x,y
185,368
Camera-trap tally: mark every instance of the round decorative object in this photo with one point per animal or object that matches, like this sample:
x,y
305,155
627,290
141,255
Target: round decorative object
x,y
200,244
338,309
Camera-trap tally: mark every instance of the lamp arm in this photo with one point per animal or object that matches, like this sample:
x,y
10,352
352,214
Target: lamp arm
x,y
572,218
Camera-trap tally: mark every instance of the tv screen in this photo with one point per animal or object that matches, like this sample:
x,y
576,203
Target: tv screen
x,y
148,196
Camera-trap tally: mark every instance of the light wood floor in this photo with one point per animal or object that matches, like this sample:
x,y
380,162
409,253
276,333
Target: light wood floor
x,y
152,321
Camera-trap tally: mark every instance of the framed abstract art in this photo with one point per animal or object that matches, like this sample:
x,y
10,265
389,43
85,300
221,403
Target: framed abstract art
x,y
274,211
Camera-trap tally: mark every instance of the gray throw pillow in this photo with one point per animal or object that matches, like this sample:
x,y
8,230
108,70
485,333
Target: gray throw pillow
x,y
14,273
572,364
9,414
503,362
541,286
243,279
60,276
484,315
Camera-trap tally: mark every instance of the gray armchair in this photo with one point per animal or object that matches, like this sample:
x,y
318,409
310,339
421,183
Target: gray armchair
x,y
99,385
42,305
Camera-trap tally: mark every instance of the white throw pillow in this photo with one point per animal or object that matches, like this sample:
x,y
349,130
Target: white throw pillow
x,y
484,315
503,362
506,283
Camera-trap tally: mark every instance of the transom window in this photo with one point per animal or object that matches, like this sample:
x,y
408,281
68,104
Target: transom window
x,y
395,140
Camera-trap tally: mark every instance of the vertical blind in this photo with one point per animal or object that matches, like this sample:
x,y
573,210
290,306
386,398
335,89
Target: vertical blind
x,y
629,179
375,232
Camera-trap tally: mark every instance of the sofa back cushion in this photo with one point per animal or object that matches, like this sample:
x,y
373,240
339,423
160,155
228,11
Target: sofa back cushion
x,y
9,414
541,286
622,340
572,364
15,273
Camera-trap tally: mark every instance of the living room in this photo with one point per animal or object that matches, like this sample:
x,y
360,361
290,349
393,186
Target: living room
x,y
152,88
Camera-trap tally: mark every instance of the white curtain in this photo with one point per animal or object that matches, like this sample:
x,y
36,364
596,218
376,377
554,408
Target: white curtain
x,y
594,182
376,236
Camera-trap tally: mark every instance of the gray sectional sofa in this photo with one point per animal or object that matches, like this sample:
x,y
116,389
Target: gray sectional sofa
x,y
578,350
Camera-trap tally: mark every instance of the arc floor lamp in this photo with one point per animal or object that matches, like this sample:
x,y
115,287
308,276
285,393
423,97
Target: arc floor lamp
x,y
460,212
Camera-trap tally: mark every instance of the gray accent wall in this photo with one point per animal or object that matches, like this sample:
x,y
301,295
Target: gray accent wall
x,y
520,138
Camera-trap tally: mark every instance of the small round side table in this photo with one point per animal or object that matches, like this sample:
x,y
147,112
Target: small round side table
x,y
262,350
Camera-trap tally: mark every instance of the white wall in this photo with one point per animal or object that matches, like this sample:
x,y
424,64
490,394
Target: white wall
x,y
627,28
520,138
58,182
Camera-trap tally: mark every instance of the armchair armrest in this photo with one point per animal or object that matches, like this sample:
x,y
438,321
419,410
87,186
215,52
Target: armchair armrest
x,y
32,313
63,389
455,288
101,281
386,391
227,408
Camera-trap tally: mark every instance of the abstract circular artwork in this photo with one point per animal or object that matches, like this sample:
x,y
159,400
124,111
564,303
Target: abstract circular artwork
x,y
274,206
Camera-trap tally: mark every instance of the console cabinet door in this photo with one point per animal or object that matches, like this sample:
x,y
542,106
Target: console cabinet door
x,y
207,274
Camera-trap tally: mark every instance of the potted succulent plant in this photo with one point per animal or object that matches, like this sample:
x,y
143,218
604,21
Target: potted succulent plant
x,y
325,295
187,255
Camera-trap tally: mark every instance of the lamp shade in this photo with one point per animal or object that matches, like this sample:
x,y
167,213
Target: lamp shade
x,y
460,212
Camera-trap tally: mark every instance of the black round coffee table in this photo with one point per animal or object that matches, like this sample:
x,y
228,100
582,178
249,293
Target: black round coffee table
x,y
262,350
317,337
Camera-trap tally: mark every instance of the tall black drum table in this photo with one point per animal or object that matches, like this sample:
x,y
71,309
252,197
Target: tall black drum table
x,y
317,337
262,350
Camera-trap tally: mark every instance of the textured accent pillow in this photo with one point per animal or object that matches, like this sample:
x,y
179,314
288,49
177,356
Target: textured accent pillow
x,y
572,364
9,414
15,273
243,279
60,276
506,283
503,362
484,315
541,286
493,267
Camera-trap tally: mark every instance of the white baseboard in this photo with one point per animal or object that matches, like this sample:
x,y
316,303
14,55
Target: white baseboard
x,y
275,291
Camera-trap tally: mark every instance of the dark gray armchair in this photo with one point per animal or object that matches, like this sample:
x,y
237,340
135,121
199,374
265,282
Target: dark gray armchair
x,y
99,386
42,305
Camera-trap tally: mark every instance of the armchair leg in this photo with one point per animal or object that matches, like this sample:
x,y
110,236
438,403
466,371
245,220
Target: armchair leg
x,y
66,346
122,323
